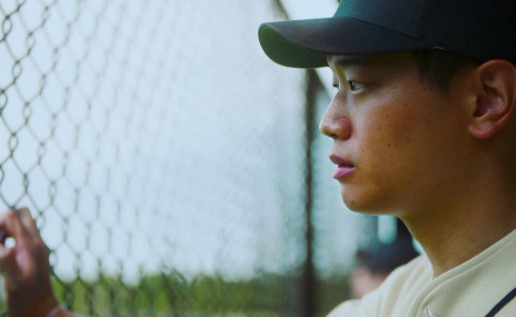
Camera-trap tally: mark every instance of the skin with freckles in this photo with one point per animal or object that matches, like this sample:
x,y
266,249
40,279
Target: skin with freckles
x,y
442,161
400,135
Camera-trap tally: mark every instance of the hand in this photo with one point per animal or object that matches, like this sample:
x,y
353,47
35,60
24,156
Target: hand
x,y
25,266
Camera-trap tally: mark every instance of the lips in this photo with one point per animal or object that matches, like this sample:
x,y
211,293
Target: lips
x,y
344,167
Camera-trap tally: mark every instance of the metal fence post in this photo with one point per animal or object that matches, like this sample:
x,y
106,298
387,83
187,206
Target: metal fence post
x,y
308,278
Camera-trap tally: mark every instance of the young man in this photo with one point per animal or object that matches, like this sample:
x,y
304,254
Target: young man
x,y
424,128
423,124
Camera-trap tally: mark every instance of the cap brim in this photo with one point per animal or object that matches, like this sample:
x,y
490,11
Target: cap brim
x,y
306,43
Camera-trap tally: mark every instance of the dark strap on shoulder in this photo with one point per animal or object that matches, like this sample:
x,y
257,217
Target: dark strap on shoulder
x,y
501,304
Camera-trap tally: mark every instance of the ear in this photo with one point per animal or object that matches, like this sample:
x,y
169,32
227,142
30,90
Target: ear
x,y
496,99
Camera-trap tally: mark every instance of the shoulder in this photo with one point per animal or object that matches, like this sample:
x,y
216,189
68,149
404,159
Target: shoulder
x,y
400,284
348,309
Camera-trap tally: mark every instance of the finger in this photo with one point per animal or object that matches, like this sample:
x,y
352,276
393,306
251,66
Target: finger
x,y
18,228
3,219
6,224
11,225
3,235
27,221
7,262
4,252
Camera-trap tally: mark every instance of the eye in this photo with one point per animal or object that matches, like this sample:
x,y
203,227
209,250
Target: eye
x,y
355,85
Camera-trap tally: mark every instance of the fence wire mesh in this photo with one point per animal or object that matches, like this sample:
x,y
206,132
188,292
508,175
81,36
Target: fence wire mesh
x,y
163,157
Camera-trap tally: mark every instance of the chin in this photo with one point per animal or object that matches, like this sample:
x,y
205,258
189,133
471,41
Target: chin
x,y
362,203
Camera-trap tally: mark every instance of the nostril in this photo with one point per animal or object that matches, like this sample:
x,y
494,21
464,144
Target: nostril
x,y
327,131
324,129
332,135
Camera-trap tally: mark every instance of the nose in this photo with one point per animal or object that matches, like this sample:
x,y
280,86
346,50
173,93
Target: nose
x,y
335,124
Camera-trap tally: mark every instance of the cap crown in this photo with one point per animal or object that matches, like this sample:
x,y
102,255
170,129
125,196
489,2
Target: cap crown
x,y
480,29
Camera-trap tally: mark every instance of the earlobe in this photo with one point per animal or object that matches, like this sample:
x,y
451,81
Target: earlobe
x,y
496,100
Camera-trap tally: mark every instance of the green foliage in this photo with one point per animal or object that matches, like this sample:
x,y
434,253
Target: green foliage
x,y
170,295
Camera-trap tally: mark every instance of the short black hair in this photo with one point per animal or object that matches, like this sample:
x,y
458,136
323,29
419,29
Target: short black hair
x,y
439,67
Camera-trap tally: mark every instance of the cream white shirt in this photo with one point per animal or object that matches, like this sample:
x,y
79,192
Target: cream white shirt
x,y
469,290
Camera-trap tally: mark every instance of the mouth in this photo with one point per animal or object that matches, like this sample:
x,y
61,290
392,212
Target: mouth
x,y
344,167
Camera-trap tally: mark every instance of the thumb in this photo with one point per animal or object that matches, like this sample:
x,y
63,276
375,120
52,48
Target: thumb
x,y
8,264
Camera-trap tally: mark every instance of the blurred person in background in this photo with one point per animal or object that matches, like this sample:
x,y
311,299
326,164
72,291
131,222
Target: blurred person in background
x,y
424,128
373,265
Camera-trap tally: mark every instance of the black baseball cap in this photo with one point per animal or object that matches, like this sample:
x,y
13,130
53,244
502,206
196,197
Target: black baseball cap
x,y
478,29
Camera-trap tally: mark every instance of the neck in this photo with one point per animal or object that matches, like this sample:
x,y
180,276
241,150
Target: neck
x,y
454,232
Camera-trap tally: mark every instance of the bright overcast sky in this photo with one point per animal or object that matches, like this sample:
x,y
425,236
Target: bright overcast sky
x,y
303,9
306,9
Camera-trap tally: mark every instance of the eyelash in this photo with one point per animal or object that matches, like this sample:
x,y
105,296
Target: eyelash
x,y
352,85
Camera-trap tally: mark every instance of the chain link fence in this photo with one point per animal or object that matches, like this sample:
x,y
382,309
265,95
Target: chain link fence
x,y
164,158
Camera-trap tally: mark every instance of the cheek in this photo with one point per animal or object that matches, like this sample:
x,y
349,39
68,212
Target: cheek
x,y
384,135
391,145
404,144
